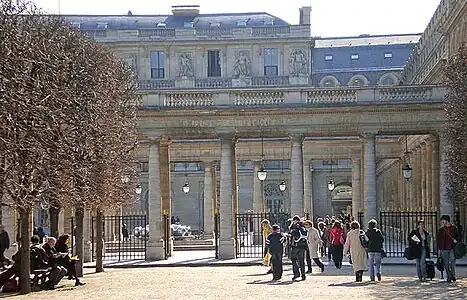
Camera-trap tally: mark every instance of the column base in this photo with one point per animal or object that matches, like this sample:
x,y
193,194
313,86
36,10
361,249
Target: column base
x,y
227,249
155,250
87,253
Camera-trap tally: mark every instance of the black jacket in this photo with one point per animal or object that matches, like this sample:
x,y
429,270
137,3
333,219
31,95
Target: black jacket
x,y
4,240
52,258
417,247
298,234
375,240
275,242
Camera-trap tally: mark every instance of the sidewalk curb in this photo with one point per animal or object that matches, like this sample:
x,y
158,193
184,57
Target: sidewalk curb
x,y
220,264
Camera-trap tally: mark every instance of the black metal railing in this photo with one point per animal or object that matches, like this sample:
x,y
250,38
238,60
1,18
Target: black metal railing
x,y
216,233
125,237
396,227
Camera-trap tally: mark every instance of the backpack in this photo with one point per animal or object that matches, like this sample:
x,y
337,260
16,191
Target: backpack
x,y
301,241
363,239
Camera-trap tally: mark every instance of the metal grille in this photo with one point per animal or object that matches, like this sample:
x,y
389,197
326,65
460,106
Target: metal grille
x,y
396,227
216,233
251,242
118,245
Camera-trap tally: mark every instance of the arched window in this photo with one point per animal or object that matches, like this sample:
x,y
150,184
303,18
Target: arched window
x,y
358,81
388,79
329,82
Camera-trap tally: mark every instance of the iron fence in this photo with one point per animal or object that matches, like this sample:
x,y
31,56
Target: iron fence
x,y
125,237
396,227
216,233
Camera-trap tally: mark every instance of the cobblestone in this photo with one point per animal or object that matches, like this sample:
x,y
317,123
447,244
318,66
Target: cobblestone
x,y
244,283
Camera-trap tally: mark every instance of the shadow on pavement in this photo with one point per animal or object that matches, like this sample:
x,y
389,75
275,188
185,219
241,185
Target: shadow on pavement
x,y
271,282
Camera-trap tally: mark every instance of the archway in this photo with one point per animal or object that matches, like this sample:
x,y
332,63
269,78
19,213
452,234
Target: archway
x,y
341,198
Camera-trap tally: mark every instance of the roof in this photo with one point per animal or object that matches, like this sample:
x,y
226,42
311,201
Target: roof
x,y
367,40
133,22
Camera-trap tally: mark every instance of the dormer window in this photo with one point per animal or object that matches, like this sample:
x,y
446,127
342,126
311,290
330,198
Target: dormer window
x,y
75,25
242,23
268,22
161,24
102,25
188,24
215,24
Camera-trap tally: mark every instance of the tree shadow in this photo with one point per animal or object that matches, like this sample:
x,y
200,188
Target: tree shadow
x,y
272,282
351,284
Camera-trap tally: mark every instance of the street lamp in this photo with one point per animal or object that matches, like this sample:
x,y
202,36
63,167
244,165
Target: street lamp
x,y
262,173
138,189
406,170
331,185
282,186
186,188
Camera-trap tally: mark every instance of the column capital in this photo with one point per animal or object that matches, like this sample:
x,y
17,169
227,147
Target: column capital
x,y
163,140
367,135
228,137
297,138
208,164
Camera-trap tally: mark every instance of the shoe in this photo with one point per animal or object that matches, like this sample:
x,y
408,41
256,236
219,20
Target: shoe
x,y
70,278
454,279
322,269
275,279
269,272
295,277
79,283
449,281
303,277
379,276
309,271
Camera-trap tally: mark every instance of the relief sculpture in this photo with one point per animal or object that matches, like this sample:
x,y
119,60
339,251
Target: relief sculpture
x,y
185,65
242,67
298,63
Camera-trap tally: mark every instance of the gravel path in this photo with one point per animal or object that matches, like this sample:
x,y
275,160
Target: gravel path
x,y
250,283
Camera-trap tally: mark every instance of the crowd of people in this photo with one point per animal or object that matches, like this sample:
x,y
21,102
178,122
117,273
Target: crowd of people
x,y
337,237
50,258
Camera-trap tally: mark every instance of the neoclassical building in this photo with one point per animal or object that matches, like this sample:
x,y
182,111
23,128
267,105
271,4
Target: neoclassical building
x,y
228,95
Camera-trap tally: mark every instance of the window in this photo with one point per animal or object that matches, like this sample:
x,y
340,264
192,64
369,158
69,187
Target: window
x,y
188,24
101,25
214,63
271,62
329,83
161,25
75,25
215,24
242,23
388,55
157,64
388,81
354,56
268,22
328,57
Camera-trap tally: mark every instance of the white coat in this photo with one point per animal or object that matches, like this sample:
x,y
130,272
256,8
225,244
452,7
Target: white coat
x,y
357,252
314,242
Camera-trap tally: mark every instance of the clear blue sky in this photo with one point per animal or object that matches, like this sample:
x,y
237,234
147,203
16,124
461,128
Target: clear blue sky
x,y
329,17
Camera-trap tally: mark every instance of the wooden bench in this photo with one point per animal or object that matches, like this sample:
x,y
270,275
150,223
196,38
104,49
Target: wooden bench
x,y
38,277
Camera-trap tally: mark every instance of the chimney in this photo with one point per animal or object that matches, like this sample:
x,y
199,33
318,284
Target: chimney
x,y
185,10
305,15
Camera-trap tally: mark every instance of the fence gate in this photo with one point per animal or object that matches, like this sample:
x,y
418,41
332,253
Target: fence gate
x,y
396,227
250,242
125,237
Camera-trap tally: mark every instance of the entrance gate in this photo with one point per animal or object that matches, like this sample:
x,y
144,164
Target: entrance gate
x,y
118,246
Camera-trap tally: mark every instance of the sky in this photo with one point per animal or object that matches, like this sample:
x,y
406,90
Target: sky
x,y
329,17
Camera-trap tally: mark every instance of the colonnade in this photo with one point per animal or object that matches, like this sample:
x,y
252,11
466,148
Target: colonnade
x,y
424,191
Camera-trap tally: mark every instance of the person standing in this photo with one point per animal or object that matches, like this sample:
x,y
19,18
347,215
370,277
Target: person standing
x,y
299,244
375,248
314,243
125,234
418,242
448,235
275,243
267,230
4,243
337,240
353,242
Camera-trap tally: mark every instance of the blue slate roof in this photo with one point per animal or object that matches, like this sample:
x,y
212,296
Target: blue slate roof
x,y
367,40
133,22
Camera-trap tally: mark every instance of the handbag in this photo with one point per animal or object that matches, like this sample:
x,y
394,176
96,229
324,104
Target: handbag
x,y
459,247
267,259
383,254
408,253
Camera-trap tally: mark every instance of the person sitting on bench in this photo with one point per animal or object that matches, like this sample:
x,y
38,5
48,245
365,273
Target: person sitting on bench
x,y
58,272
66,261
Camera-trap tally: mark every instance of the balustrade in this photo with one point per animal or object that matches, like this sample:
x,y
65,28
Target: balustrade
x,y
259,98
332,96
213,83
156,84
270,81
416,93
189,99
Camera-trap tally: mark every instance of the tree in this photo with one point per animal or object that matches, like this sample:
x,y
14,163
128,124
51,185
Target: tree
x,y
456,128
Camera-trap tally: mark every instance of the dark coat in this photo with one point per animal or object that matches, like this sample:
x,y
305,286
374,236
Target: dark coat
x,y
4,241
51,252
375,240
275,242
417,247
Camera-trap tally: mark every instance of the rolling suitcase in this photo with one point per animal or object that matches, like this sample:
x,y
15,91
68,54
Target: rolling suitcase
x,y
430,269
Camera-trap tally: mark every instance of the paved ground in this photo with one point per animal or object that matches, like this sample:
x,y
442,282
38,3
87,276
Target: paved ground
x,y
252,283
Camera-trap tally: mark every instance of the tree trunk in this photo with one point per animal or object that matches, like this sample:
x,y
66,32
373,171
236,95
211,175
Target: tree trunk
x,y
24,280
79,245
99,241
54,219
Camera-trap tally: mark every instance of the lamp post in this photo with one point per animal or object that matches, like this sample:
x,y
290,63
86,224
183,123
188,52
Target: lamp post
x,y
186,186
406,169
138,189
262,174
331,185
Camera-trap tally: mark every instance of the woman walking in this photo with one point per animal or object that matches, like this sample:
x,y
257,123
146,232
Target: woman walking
x,y
336,238
375,248
353,243
314,242
418,243
267,230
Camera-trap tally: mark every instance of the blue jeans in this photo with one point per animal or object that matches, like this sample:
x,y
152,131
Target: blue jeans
x,y
449,263
421,264
374,261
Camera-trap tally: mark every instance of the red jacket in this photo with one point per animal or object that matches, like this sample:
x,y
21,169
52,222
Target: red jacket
x,y
336,236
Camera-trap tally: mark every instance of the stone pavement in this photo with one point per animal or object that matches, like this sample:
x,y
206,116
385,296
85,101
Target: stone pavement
x,y
206,258
247,283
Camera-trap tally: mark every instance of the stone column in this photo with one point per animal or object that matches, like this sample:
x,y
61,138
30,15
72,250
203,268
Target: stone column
x,y
227,241
424,161
356,168
61,222
362,180
435,174
370,205
446,204
257,192
234,192
208,199
166,189
87,253
307,188
155,246
296,172
411,203
418,179
429,177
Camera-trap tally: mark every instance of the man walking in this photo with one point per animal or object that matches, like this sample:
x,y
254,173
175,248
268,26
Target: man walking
x,y
275,243
4,243
298,234
447,237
